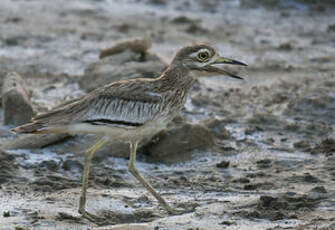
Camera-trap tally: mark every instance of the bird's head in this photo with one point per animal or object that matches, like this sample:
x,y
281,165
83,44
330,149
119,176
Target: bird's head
x,y
204,58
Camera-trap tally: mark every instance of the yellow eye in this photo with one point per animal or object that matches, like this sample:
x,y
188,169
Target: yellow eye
x,y
203,56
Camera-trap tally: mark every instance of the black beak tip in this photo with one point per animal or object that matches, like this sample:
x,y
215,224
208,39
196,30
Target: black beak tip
x,y
239,78
240,63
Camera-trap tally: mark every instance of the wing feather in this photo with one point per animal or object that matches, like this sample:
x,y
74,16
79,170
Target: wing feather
x,y
128,102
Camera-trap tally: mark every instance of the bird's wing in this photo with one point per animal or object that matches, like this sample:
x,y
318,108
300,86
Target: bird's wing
x,y
130,103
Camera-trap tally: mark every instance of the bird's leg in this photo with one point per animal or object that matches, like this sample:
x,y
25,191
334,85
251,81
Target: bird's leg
x,y
88,158
132,168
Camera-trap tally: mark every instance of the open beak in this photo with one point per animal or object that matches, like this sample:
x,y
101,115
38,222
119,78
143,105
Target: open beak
x,y
222,60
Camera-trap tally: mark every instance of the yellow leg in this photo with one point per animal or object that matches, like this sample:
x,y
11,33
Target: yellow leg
x,y
132,168
88,158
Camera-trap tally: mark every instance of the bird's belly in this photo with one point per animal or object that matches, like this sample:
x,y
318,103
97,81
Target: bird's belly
x,y
120,133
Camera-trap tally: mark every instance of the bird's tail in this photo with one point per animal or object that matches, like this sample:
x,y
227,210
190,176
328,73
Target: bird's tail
x,y
34,128
53,121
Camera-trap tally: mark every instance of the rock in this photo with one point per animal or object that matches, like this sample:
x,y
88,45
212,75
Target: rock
x,y
13,41
34,141
125,65
310,178
319,189
228,223
331,28
304,145
177,143
286,46
263,164
327,147
125,227
217,128
159,2
7,166
242,180
197,29
20,228
138,45
184,20
72,165
223,164
6,214
256,186
15,101
49,165
13,20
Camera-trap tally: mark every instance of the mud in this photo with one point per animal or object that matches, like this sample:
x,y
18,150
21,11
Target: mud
x,y
252,154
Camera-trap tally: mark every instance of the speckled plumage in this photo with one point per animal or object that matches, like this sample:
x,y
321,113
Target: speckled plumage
x,y
127,104
130,110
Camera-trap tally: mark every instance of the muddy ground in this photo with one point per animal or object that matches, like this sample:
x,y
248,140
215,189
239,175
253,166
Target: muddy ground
x,y
252,154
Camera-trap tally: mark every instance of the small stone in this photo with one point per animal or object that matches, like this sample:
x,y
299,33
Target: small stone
x,y
15,101
137,45
72,165
6,214
184,20
266,200
159,2
250,186
285,46
195,28
265,163
319,189
223,164
227,223
50,165
217,127
303,145
331,28
242,180
310,178
13,20
327,147
19,228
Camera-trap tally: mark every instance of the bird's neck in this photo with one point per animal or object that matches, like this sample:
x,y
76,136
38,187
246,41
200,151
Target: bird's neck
x,y
177,77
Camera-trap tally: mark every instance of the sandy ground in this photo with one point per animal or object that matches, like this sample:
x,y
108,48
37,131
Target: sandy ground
x,y
272,164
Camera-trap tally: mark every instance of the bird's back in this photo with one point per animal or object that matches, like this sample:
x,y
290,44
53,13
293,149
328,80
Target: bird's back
x,y
127,104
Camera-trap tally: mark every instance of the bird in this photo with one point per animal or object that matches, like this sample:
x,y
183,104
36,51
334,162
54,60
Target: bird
x,y
129,110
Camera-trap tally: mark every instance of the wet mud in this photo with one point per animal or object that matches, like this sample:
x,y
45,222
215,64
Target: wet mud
x,y
252,154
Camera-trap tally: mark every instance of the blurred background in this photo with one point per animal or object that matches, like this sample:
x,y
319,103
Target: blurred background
x,y
253,154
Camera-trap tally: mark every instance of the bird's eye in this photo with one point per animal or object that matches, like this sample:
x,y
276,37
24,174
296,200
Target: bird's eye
x,y
203,56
